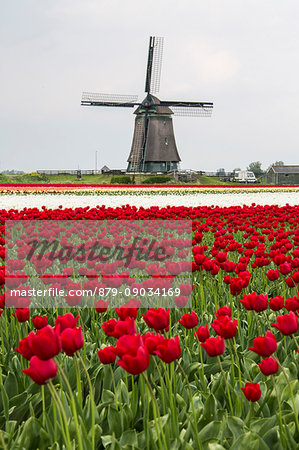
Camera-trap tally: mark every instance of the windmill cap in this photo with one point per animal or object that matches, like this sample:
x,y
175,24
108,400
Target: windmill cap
x,y
156,108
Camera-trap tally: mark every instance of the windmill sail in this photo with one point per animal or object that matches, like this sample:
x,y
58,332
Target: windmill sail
x,y
154,64
190,109
97,99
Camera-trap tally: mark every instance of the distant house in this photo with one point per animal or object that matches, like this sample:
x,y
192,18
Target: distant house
x,y
105,169
283,175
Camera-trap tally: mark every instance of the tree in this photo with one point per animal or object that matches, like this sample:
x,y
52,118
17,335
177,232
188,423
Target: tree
x,y
277,163
256,168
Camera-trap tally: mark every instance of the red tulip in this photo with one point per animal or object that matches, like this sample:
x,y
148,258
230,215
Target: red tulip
x,y
118,328
107,355
285,268
291,304
72,340
2,278
268,366
215,269
229,266
221,257
73,300
46,343
290,282
66,321
225,327
41,371
185,289
158,319
295,276
130,309
169,350
255,302
287,324
181,301
223,311
252,391
272,275
135,364
236,286
25,346
214,346
202,333
22,314
128,344
264,346
101,306
276,303
189,320
40,322
151,341
227,279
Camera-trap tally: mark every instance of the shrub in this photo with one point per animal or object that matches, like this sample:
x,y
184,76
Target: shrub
x,y
157,179
121,179
32,177
4,178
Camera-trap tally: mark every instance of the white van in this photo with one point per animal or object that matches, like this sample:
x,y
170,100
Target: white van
x,y
245,176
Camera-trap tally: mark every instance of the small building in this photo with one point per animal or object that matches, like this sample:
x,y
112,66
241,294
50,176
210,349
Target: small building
x,y
105,169
282,175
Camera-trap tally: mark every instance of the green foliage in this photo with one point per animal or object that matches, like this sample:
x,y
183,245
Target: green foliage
x,y
4,178
65,178
157,179
121,179
256,168
32,177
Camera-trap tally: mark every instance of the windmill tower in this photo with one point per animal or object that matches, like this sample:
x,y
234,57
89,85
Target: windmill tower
x,y
153,147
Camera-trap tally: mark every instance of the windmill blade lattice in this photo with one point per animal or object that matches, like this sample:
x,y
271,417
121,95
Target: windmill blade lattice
x,y
98,99
157,64
188,111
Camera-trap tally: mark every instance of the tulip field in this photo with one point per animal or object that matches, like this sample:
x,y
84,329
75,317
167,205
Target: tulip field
x,y
217,368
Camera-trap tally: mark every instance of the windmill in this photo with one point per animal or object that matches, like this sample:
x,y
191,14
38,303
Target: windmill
x,y
153,147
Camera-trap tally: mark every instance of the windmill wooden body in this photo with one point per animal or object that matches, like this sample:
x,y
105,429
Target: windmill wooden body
x,y
153,146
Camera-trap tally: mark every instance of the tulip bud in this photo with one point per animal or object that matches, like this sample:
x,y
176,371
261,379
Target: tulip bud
x,y
66,321
214,346
202,333
189,320
135,364
252,391
268,366
169,350
72,340
41,371
107,355
46,343
264,346
22,314
40,322
287,324
158,319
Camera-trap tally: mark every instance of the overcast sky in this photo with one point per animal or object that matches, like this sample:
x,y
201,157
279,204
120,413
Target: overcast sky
x,y
241,55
